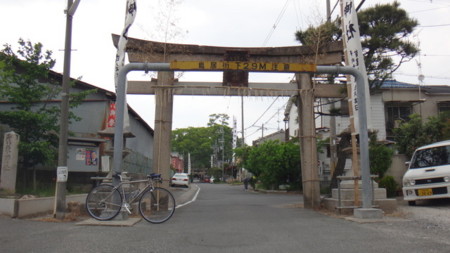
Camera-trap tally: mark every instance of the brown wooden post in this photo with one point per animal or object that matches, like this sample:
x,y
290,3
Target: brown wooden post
x,y
163,125
308,145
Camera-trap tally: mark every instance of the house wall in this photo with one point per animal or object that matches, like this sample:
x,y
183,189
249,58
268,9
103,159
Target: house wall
x,y
376,113
398,168
423,103
378,116
93,113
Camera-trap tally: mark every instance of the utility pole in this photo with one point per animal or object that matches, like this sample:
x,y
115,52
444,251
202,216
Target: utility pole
x,y
328,11
242,120
62,171
333,159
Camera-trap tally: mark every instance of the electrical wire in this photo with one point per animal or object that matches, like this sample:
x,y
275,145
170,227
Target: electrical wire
x,y
263,113
276,23
423,26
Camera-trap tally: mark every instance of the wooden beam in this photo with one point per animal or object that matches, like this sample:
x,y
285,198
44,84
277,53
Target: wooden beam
x,y
152,51
216,89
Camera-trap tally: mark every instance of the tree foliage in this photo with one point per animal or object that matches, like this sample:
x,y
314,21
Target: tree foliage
x,y
273,163
203,142
415,132
380,157
26,86
196,141
384,30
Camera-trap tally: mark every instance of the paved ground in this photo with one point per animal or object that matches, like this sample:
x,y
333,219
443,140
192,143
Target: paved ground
x,y
226,218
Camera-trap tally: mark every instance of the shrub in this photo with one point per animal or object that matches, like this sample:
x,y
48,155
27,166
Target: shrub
x,y
389,183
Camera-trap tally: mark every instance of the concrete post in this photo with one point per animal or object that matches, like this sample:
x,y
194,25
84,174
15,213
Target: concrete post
x,y
9,162
308,145
163,125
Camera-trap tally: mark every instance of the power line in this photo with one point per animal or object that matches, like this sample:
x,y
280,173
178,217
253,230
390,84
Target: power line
x,y
263,113
422,26
296,9
276,113
438,8
433,77
276,23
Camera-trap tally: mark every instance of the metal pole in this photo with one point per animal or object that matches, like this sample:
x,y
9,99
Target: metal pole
x,y
328,11
363,132
121,93
60,192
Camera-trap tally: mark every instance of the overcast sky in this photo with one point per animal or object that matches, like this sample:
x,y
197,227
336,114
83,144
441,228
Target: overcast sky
x,y
235,23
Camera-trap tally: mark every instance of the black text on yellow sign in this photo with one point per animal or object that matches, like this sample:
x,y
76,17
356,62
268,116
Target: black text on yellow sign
x,y
244,66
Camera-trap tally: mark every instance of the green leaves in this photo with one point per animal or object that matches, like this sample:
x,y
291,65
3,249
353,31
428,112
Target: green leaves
x,y
384,31
25,85
203,142
274,163
380,157
416,132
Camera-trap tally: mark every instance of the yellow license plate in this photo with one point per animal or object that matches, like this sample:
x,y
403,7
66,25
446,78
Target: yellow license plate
x,y
425,192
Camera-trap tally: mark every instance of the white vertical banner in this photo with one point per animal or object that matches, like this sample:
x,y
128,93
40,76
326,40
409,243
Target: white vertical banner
x,y
355,58
121,50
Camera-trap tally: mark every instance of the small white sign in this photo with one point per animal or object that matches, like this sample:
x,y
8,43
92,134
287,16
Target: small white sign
x,y
61,174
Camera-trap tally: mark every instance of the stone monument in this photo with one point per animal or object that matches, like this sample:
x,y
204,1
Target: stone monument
x,y
9,162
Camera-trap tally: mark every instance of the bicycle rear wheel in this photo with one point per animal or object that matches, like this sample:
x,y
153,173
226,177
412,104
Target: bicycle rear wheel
x,y
157,205
104,202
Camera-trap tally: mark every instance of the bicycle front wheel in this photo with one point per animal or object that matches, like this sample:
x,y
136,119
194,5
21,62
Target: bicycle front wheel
x,y
157,205
103,202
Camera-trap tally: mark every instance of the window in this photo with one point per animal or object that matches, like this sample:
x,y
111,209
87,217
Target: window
x,y
396,112
443,107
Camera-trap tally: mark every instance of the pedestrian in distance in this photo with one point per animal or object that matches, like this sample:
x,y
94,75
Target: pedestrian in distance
x,y
246,181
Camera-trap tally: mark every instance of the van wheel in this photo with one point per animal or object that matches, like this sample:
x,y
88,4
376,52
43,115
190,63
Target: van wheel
x,y
412,203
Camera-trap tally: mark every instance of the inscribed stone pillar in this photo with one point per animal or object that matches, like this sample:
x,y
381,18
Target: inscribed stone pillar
x,y
9,162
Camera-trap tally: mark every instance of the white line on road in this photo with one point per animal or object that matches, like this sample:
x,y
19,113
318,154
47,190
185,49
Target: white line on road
x,y
193,199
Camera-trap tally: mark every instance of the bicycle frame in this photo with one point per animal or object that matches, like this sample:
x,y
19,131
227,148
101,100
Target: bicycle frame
x,y
121,189
127,201
156,205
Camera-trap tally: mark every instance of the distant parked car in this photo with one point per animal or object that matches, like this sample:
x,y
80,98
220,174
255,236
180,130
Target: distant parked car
x,y
206,179
428,175
181,179
211,180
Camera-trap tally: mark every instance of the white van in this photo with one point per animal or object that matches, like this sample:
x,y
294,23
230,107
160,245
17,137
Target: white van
x,y
428,175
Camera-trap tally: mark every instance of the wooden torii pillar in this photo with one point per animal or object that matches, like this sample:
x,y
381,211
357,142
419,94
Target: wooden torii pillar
x,y
235,83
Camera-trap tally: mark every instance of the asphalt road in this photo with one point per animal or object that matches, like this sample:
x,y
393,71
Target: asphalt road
x,y
226,218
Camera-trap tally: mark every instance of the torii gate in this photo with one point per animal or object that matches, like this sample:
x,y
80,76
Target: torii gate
x,y
235,83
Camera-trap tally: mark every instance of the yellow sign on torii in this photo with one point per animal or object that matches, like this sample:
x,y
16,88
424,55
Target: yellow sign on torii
x,y
244,66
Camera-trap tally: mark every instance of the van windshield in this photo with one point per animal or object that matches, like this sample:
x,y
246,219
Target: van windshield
x,y
431,157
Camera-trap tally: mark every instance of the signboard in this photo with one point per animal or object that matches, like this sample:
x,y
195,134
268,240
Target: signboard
x,y
83,158
62,174
354,54
245,66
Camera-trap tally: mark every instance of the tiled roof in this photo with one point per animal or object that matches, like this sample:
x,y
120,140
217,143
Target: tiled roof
x,y
387,84
431,89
